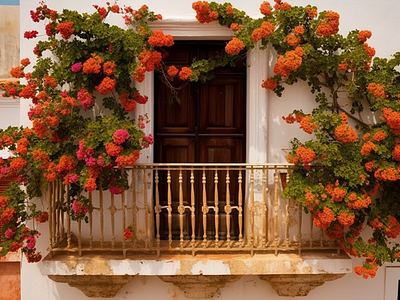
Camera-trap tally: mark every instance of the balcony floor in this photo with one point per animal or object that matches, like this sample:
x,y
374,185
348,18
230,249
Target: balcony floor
x,y
109,263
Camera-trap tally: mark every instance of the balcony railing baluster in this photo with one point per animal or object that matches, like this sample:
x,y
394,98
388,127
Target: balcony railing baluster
x,y
167,218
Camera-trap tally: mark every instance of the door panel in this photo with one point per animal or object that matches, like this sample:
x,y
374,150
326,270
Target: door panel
x,y
208,125
222,105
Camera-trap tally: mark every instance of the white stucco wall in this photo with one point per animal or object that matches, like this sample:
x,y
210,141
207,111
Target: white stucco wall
x,y
381,17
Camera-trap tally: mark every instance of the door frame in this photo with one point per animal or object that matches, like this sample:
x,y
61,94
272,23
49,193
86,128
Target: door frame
x,y
257,108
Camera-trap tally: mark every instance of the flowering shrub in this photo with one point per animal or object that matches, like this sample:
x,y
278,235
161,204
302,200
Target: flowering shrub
x,y
347,174
84,131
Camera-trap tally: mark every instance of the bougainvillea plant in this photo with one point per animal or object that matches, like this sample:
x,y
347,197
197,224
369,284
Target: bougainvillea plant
x,y
347,175
84,130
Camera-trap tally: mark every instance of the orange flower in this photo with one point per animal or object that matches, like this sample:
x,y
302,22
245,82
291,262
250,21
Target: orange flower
x,y
265,8
18,163
229,10
22,146
66,29
389,174
92,65
356,202
379,136
329,26
264,31
106,86
306,155
346,219
17,72
311,12
345,134
158,39
25,62
338,194
299,30
269,84
113,149
377,90
376,224
172,71
234,46
311,200
369,165
291,61
52,121
40,128
396,153
292,40
108,68
369,50
150,59
128,103
185,73
392,118
235,27
324,218
66,164
307,125
203,12
367,148
364,35
290,119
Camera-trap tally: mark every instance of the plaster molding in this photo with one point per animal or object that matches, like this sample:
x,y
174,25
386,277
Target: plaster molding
x,y
200,287
95,286
295,285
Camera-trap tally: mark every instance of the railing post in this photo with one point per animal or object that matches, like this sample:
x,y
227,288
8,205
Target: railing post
x,y
169,208
264,213
228,209
216,208
157,210
204,207
181,207
193,208
276,210
251,210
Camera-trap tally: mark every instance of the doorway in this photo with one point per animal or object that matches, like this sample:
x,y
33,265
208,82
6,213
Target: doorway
x,y
206,125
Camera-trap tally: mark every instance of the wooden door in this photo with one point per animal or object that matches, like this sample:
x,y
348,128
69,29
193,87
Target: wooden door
x,y
207,125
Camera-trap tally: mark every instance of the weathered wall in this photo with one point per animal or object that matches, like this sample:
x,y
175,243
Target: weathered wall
x,y
9,39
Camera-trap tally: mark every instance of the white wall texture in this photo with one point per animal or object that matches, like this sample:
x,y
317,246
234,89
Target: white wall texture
x,y
381,17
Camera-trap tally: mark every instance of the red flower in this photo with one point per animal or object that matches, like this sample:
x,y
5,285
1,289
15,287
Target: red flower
x,y
30,34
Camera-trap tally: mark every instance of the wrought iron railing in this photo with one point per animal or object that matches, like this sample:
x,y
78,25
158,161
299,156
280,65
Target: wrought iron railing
x,y
188,208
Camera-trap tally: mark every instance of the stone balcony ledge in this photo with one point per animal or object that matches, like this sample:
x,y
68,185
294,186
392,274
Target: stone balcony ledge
x,y
199,276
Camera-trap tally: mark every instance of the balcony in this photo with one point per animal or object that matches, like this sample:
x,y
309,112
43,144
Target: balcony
x,y
198,226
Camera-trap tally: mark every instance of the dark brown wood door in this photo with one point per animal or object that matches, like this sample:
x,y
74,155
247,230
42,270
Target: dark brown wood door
x,y
207,125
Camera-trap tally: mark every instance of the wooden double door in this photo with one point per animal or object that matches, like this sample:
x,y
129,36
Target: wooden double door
x,y
206,125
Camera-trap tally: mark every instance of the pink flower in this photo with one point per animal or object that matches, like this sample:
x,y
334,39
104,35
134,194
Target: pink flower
x,y
76,67
86,99
31,242
120,136
116,190
9,233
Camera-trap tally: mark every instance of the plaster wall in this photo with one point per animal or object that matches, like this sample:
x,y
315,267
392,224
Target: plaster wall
x,y
379,17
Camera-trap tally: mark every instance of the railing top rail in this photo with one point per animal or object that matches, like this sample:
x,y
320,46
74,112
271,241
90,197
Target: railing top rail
x,y
210,165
